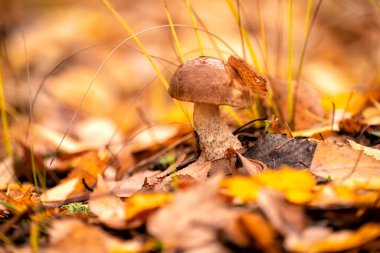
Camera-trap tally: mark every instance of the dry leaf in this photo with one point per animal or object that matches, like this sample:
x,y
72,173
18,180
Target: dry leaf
x,y
74,236
7,172
260,231
141,203
296,185
255,83
61,191
287,218
340,162
339,195
375,153
129,186
108,208
250,166
325,240
277,150
190,220
87,167
308,110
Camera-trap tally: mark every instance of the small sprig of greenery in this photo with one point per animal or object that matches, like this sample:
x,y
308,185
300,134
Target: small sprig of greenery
x,y
77,207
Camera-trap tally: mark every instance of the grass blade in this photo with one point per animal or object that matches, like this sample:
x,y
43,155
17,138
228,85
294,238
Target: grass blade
x,y
176,41
4,118
307,19
245,36
290,65
263,37
138,42
193,23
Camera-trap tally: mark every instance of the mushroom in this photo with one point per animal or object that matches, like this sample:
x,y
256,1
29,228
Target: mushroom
x,y
209,83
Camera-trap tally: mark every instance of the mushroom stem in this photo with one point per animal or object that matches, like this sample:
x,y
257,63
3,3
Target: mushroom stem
x,y
214,135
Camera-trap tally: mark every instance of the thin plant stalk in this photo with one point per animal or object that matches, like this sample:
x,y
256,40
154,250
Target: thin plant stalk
x,y
263,37
38,179
279,35
138,42
241,34
307,19
4,118
307,36
141,47
176,41
211,38
290,65
245,36
193,23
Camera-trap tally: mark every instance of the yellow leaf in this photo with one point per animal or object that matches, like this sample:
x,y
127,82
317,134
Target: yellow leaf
x,y
294,184
339,241
140,203
243,188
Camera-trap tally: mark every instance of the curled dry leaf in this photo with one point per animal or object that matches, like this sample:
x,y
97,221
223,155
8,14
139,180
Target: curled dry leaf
x,y
250,166
255,83
108,208
375,153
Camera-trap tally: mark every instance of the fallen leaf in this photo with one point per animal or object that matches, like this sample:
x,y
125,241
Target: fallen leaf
x,y
130,185
277,150
341,162
253,231
7,172
60,192
250,166
375,153
287,218
335,195
108,208
296,185
190,220
141,203
308,110
325,240
86,168
71,235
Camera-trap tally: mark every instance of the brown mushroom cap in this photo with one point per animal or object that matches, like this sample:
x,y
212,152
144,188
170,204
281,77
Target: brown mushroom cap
x,y
209,80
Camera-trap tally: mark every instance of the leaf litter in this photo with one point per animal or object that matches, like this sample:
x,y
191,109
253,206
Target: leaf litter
x,y
141,186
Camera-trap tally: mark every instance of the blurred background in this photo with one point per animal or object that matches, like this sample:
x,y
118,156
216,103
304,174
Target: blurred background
x,y
51,51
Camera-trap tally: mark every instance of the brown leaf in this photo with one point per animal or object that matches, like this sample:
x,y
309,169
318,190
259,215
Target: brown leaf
x,y
190,220
321,239
74,236
108,208
341,162
308,110
129,186
250,166
251,230
255,83
287,218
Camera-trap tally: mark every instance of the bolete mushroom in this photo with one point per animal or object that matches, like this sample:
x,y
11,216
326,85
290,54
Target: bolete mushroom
x,y
209,83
